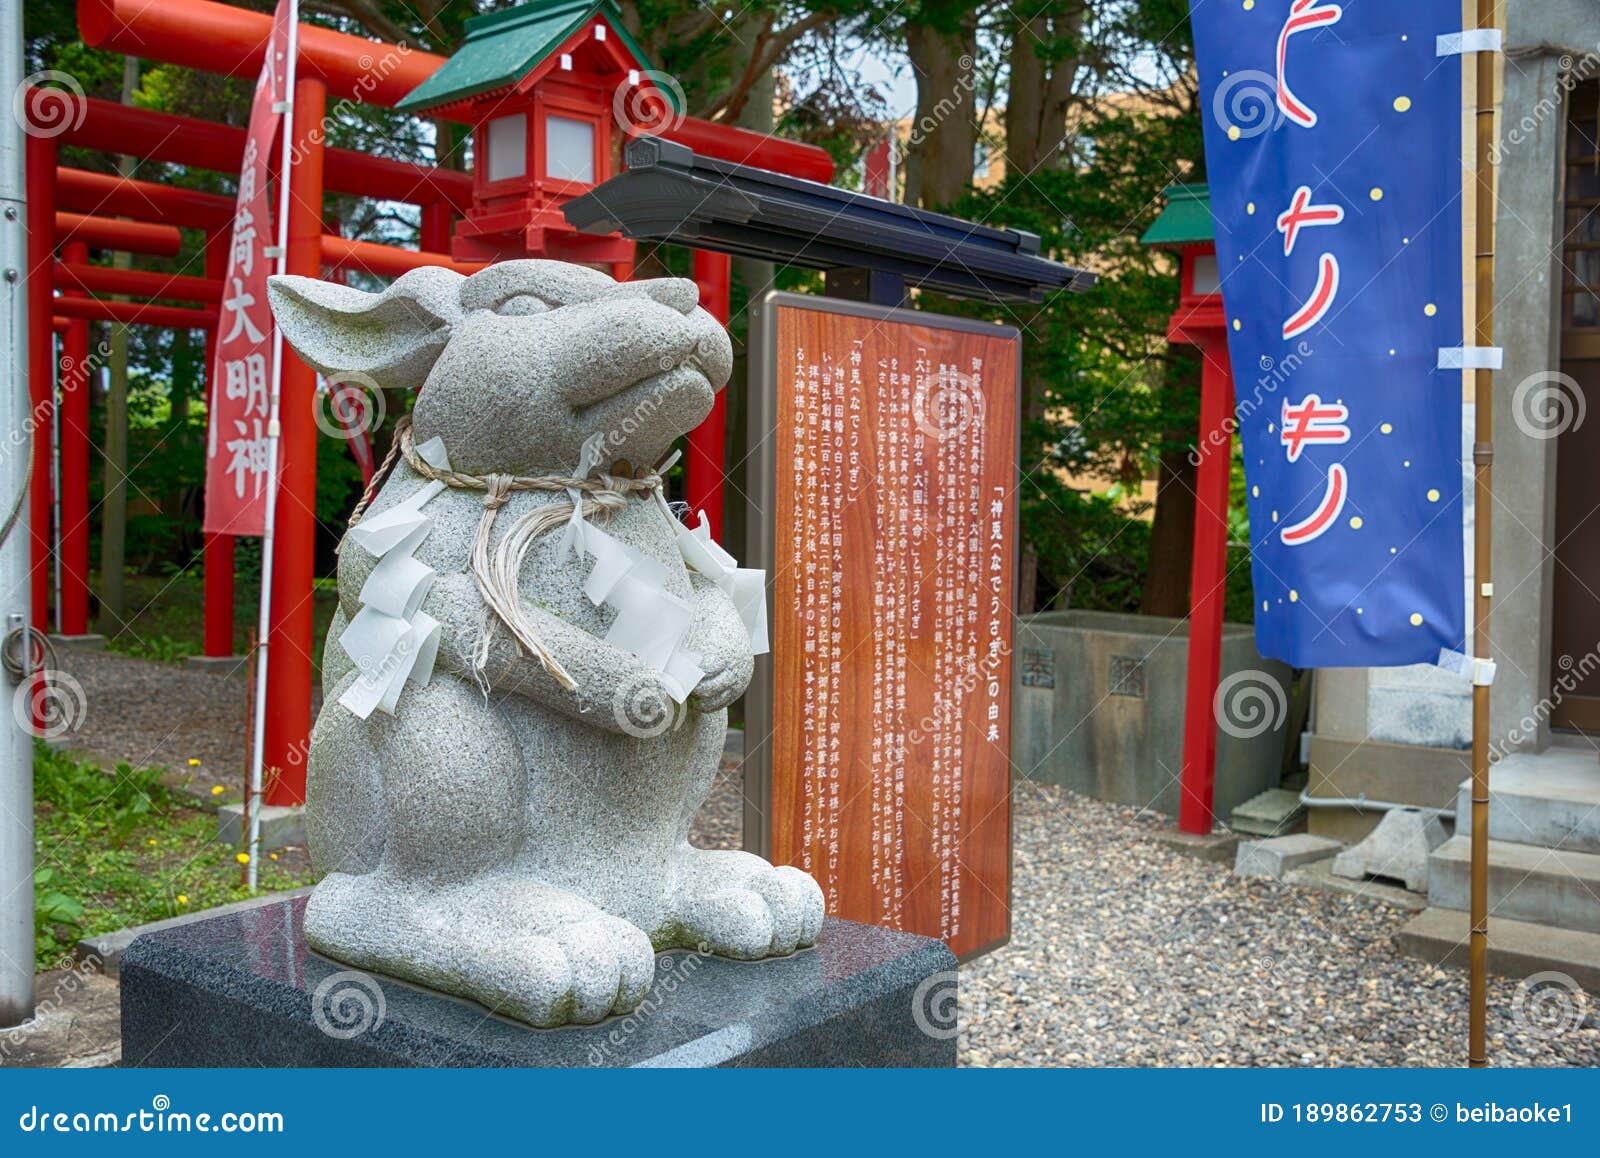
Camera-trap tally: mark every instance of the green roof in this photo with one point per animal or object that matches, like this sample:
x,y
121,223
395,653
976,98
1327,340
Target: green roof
x,y
1185,220
501,48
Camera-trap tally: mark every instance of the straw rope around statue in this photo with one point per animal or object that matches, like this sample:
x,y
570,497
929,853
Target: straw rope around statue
x,y
496,573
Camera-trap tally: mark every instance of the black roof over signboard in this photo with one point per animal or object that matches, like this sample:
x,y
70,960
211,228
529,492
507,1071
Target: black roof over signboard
x,y
667,193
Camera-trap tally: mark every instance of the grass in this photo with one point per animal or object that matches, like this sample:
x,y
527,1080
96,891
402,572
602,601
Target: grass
x,y
118,848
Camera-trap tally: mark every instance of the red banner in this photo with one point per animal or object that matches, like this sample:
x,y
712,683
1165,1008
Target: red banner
x,y
237,458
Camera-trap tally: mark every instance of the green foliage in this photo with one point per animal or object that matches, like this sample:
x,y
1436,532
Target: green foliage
x,y
117,848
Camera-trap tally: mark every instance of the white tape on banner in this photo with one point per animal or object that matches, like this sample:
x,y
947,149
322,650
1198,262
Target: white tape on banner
x,y
1472,40
1479,671
1470,357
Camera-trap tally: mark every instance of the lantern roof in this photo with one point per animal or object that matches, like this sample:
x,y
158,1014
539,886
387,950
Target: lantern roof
x,y
1186,220
502,49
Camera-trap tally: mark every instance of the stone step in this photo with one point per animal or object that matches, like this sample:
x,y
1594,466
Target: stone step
x,y
1551,800
1545,886
1516,948
1271,813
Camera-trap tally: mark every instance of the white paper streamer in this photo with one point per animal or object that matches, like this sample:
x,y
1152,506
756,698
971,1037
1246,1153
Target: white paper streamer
x,y
391,639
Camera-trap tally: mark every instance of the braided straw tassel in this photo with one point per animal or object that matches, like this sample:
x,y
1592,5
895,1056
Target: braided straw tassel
x,y
497,574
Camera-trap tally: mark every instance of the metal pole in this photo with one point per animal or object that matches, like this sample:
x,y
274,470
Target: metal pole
x,y
16,747
1482,458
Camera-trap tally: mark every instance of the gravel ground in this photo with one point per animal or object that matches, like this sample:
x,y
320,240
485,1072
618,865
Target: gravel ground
x,y
164,714
1123,952
1126,953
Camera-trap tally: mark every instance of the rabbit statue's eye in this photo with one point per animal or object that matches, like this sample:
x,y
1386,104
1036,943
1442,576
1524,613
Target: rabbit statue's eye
x,y
522,304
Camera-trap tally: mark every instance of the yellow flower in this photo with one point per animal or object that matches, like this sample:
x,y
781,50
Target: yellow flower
x,y
243,858
194,761
182,900
216,790
273,855
152,840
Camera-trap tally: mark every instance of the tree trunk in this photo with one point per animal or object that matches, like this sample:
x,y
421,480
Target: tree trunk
x,y
1166,582
945,131
1040,89
1028,581
114,507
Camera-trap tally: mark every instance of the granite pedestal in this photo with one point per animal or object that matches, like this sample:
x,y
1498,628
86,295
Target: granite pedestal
x,y
242,989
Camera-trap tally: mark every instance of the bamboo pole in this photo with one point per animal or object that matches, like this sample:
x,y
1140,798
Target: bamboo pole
x,y
1483,488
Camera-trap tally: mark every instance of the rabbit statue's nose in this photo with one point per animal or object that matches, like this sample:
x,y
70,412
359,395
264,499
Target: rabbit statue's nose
x,y
678,293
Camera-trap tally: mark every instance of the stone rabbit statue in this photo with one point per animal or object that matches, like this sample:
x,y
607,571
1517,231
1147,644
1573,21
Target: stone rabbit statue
x,y
502,778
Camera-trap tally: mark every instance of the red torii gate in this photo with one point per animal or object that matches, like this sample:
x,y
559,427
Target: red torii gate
x,y
217,38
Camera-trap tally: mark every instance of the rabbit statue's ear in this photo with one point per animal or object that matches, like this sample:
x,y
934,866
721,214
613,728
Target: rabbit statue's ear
x,y
393,337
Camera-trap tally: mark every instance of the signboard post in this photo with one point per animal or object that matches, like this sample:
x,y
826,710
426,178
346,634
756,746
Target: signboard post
x,y
884,509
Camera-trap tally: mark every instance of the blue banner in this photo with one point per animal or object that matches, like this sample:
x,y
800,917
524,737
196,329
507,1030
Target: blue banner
x,y
1333,152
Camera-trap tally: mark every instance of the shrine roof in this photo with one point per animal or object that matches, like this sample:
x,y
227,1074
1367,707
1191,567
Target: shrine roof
x,y
501,48
1186,219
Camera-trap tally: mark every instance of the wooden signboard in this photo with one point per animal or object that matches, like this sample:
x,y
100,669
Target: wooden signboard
x,y
883,505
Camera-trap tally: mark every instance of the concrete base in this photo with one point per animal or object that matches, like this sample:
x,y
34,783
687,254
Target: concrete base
x,y
1398,849
281,825
1319,875
1277,856
90,642
1218,847
244,990
1401,773
236,666
1098,703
